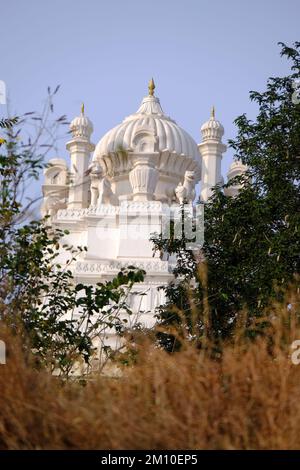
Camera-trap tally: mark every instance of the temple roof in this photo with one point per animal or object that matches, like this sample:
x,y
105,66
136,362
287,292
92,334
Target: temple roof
x,y
150,117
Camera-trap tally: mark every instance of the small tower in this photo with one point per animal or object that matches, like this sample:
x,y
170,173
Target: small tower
x,y
237,168
211,150
80,148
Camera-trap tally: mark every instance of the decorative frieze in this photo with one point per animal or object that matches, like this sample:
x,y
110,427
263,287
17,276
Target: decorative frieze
x,y
155,266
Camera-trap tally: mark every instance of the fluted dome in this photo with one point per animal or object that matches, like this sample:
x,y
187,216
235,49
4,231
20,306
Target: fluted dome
x,y
212,129
81,126
149,117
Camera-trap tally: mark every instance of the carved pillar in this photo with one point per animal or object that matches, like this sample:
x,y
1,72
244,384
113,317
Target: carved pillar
x,y
143,177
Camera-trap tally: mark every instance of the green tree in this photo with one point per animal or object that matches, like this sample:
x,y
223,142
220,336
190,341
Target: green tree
x,y
252,242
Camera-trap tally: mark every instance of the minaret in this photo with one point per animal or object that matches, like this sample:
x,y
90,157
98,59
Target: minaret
x,y
211,150
80,148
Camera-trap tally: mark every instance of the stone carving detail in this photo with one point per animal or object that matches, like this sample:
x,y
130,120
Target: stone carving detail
x,y
185,192
141,206
95,175
171,196
106,196
148,266
52,204
127,207
143,177
101,192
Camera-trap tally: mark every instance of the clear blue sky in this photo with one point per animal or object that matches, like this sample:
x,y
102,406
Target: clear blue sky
x,y
200,53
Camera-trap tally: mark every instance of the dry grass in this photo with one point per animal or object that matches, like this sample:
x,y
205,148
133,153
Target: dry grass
x,y
248,400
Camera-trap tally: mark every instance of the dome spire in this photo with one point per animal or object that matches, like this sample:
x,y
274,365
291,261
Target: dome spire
x,y
151,87
212,129
81,126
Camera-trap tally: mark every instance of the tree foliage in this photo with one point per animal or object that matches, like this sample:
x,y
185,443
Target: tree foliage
x,y
252,243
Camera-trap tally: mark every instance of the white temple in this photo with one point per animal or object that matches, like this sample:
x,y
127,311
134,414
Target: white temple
x,y
112,202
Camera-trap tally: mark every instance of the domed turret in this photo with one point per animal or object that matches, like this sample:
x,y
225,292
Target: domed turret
x,y
211,149
237,168
81,126
80,148
212,129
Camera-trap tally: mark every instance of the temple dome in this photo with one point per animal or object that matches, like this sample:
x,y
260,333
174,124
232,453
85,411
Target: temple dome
x,y
149,117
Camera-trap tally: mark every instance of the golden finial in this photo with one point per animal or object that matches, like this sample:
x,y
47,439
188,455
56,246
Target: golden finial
x,y
82,108
151,87
212,114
